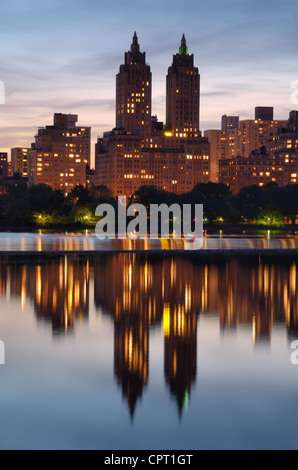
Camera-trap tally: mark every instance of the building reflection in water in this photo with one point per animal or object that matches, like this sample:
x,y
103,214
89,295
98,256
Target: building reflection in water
x,y
140,292
59,288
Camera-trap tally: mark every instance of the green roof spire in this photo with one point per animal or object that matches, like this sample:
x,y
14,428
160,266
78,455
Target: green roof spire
x,y
183,50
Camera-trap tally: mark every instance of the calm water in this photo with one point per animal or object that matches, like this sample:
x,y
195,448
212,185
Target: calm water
x,y
131,351
68,242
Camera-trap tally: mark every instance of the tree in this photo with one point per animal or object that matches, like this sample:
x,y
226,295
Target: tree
x,y
147,195
213,190
43,197
81,194
101,192
249,202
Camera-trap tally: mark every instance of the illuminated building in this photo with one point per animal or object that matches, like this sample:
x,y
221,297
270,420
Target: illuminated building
x,y
242,140
278,162
285,146
3,165
259,169
219,141
60,155
140,151
254,134
19,161
183,94
134,88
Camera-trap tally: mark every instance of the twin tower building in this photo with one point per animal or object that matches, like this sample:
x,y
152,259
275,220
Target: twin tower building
x,y
143,151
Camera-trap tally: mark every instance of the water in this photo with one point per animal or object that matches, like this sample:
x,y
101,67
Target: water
x,y
146,351
88,242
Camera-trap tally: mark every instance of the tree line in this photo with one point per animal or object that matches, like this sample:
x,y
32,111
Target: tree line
x,y
41,206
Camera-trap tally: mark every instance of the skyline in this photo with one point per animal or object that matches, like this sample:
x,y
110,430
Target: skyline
x,y
72,66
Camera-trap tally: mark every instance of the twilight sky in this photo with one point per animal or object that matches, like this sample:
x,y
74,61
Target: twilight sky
x,y
63,55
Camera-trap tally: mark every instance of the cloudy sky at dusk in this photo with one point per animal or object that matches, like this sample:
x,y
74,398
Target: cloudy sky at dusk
x,y
63,55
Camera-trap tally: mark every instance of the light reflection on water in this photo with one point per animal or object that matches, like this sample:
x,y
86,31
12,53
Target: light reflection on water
x,y
79,242
163,310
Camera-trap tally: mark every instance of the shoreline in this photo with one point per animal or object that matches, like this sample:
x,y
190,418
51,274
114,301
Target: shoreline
x,y
211,227
196,253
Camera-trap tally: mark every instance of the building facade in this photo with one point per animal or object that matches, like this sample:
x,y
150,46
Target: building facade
x,y
242,138
228,123
142,151
60,155
19,161
3,165
259,169
183,94
134,90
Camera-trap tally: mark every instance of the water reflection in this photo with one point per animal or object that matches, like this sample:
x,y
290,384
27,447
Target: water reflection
x,y
78,242
59,289
142,292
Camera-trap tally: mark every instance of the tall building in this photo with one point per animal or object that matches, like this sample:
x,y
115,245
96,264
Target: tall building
x,y
19,161
139,151
3,165
133,95
60,155
228,123
183,94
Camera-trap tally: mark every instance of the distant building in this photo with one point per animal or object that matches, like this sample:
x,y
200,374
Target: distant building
x,y
9,171
228,123
254,134
293,121
139,151
3,165
240,138
259,169
219,141
19,161
61,154
264,113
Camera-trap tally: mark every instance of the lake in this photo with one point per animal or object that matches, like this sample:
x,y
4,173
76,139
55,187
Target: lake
x,y
148,351
43,242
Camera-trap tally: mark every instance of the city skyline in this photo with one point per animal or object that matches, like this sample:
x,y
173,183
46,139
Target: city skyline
x,y
74,73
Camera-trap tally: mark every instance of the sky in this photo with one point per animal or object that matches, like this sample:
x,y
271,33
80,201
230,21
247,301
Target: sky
x,y
63,56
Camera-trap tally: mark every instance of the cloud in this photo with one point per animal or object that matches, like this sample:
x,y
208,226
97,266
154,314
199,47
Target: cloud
x,y
63,55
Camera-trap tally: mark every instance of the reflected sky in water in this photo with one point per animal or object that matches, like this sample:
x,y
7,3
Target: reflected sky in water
x,y
148,352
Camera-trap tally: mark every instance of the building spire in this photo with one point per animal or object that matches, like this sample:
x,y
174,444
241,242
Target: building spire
x,y
135,47
183,50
